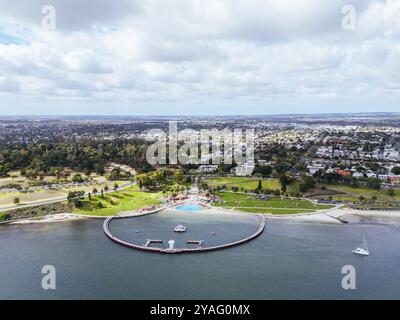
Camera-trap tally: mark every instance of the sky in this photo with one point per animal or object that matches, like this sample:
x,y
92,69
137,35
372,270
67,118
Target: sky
x,y
198,57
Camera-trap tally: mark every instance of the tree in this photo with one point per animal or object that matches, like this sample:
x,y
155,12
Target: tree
x,y
76,197
390,192
265,171
94,191
374,183
259,187
285,179
77,178
361,198
115,174
90,197
178,175
16,200
102,193
396,170
106,188
308,183
116,186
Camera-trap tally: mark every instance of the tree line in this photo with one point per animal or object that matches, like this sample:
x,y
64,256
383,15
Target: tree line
x,y
51,158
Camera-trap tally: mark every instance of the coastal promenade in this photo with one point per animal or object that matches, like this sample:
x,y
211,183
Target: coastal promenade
x,y
144,247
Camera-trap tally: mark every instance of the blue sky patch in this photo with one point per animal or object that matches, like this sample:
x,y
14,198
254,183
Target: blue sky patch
x,y
9,39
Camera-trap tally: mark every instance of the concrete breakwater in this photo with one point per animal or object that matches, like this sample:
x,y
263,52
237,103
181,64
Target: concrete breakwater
x,y
144,247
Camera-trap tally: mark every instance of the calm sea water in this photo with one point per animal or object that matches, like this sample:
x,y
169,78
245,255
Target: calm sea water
x,y
288,261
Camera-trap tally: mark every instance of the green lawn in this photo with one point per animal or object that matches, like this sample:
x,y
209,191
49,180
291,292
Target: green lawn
x,y
124,200
237,200
381,195
293,188
272,211
245,183
345,198
349,189
384,195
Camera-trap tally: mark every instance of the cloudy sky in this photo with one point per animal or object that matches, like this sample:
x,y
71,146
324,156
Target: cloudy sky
x,y
199,57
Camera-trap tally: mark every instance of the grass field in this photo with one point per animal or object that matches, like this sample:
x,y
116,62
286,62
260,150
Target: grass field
x,y
245,183
246,202
273,211
384,195
6,199
293,188
349,189
125,200
368,194
346,198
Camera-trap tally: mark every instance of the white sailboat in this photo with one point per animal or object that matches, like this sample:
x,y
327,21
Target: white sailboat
x,y
363,250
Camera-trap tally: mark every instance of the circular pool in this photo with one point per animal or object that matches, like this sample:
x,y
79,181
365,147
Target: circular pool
x,y
189,207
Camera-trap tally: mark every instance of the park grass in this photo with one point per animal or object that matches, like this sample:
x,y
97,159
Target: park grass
x,y
7,199
236,200
349,189
293,188
384,195
346,198
28,197
273,211
120,201
245,183
381,195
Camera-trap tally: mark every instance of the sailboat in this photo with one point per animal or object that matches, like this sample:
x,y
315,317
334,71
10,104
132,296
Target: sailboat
x,y
363,250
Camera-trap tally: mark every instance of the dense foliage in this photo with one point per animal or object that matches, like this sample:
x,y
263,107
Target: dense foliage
x,y
51,159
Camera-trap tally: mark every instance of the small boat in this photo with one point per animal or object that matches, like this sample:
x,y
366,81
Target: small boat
x,y
136,231
363,250
212,233
180,228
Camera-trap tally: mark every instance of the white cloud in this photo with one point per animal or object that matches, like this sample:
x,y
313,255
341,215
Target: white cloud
x,y
201,51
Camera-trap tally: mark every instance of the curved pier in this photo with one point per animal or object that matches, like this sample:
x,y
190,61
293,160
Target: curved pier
x,y
106,228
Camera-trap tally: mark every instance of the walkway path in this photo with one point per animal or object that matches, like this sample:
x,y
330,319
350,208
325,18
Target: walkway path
x,y
106,229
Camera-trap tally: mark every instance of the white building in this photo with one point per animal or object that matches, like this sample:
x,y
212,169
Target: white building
x,y
207,168
244,170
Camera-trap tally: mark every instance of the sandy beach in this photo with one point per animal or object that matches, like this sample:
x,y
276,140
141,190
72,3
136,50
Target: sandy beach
x,y
51,218
338,215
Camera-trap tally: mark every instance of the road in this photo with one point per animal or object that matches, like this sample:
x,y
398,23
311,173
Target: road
x,y
52,200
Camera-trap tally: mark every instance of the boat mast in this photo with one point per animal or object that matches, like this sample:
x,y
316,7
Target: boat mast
x,y
365,244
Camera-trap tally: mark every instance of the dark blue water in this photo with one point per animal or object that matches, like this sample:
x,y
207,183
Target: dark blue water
x,y
288,261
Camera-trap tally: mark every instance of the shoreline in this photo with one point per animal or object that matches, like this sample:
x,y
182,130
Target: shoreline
x,y
333,216
50,218
337,215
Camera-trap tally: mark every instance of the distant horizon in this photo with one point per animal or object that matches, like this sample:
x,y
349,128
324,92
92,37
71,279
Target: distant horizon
x,y
203,115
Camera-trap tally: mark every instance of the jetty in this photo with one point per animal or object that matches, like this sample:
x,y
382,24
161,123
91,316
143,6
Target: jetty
x,y
199,249
149,242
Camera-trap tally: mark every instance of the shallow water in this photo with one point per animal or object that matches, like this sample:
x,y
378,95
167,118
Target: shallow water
x,y
189,207
288,261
